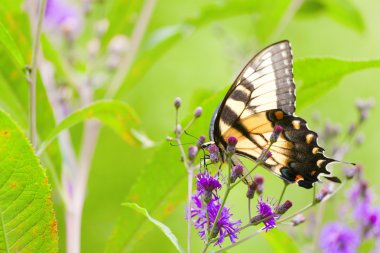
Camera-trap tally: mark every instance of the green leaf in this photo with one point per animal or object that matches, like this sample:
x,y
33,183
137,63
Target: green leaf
x,y
12,49
169,181
280,241
115,114
342,11
316,76
27,217
166,230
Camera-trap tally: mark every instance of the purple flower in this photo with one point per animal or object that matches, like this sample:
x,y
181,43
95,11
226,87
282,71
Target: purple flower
x,y
359,193
372,223
338,238
224,226
368,218
206,184
276,133
266,210
65,17
214,153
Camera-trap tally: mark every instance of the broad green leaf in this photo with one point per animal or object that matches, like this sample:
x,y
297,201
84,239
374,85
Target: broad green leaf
x,y
316,76
12,49
280,241
145,191
166,230
27,217
115,114
342,11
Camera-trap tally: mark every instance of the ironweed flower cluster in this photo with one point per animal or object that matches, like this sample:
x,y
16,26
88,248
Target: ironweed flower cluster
x,y
219,172
359,219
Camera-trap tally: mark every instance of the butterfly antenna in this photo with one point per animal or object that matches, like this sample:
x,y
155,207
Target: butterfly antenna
x,y
191,135
182,144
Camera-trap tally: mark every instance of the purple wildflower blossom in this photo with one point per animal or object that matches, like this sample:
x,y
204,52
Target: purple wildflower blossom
x,y
359,193
224,225
266,210
338,238
207,183
372,223
369,219
65,17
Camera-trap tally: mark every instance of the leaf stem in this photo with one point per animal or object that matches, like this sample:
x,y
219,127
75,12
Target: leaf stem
x,y
33,75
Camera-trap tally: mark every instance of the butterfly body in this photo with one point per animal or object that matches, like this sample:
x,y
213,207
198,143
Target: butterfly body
x,y
263,96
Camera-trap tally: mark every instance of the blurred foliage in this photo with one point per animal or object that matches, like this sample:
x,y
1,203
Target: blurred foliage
x,y
191,49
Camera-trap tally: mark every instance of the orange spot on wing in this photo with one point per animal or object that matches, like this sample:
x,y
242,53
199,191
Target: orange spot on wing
x,y
279,115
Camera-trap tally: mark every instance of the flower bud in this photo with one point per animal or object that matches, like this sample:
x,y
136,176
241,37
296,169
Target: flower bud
x,y
283,208
101,27
259,182
177,102
251,190
119,44
201,141
256,219
214,153
276,133
364,106
198,112
321,195
263,157
236,172
178,130
231,144
298,219
192,152
350,172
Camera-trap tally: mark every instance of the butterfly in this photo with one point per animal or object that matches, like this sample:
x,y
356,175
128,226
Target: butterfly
x,y
262,96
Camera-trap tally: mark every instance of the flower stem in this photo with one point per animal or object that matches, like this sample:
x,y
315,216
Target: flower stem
x,y
33,78
209,239
249,209
189,193
282,193
190,171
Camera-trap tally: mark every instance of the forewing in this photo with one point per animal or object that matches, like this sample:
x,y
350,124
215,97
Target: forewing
x,y
265,83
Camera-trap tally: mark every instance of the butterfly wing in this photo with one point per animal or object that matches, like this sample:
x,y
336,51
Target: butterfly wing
x,y
262,96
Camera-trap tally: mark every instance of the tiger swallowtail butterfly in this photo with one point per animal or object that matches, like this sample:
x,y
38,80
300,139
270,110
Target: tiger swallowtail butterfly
x,y
262,96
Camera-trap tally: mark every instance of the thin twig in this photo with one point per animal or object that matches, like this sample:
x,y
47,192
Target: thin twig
x,y
136,38
33,78
190,170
